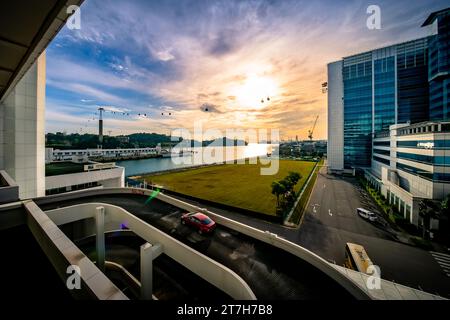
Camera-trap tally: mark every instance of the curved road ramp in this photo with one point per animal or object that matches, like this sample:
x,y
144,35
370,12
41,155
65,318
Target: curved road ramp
x,y
239,261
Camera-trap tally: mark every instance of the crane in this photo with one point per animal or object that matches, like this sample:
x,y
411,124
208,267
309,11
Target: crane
x,y
310,132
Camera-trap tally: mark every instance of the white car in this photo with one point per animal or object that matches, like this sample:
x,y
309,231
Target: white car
x,y
366,214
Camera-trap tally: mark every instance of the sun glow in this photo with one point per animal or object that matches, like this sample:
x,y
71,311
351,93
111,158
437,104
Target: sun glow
x,y
256,92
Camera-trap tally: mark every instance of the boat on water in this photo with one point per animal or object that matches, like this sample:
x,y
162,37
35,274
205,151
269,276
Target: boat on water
x,y
171,153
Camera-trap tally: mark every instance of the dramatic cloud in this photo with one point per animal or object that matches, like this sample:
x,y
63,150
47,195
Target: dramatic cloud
x,y
251,63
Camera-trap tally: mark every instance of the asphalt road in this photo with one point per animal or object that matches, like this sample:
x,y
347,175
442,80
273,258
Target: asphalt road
x,y
331,221
270,272
172,281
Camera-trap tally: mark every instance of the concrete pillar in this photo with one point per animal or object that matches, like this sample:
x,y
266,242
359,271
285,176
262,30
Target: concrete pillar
x,y
148,254
22,132
100,237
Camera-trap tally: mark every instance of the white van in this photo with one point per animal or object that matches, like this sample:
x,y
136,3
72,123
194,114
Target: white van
x,y
366,214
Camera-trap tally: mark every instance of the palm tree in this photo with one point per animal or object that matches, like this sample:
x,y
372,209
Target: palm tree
x,y
294,177
427,210
277,190
288,184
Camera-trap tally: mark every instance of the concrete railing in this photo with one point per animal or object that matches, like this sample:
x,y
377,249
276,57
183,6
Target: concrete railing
x,y
261,235
62,253
9,189
278,242
213,272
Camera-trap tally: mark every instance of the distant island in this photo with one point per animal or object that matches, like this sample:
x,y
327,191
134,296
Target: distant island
x,y
63,141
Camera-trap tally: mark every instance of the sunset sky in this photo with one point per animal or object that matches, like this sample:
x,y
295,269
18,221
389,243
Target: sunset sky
x,y
186,57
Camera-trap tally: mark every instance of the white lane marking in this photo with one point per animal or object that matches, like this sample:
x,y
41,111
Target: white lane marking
x,y
329,212
446,256
443,260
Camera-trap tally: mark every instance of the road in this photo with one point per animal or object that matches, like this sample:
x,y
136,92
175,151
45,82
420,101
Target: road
x,y
270,272
331,221
172,281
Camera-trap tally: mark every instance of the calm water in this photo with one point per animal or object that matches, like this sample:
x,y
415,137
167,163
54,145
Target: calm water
x,y
136,167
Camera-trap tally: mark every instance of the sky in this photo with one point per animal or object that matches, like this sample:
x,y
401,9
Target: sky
x,y
256,64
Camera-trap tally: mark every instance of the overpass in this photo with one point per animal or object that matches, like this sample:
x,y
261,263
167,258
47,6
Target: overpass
x,y
272,267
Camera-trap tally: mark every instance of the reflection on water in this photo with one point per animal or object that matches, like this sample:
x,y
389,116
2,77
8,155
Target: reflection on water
x,y
135,167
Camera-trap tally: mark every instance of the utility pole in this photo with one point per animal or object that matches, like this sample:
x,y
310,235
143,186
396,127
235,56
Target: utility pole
x,y
100,126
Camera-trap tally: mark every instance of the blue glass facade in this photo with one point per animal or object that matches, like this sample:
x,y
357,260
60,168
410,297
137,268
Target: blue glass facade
x,y
433,160
407,82
436,176
439,68
412,82
357,114
425,144
384,85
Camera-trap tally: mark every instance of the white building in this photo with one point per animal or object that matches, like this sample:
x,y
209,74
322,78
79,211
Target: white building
x,y
411,163
84,176
52,155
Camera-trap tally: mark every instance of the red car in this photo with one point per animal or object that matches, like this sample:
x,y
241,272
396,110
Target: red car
x,y
200,221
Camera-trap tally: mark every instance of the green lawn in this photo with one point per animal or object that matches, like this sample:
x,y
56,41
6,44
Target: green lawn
x,y
57,168
235,185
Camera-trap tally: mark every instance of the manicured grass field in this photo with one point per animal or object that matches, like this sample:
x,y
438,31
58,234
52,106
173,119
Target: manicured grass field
x,y
235,185
57,168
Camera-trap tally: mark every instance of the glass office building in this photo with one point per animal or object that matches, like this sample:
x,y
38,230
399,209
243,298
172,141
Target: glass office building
x,y
406,82
412,81
357,76
439,65
381,88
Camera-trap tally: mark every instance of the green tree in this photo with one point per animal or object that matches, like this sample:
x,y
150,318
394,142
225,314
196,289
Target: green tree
x,y
278,189
294,177
427,210
288,185
445,214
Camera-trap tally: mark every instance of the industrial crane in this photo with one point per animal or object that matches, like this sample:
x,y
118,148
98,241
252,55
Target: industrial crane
x,y
310,132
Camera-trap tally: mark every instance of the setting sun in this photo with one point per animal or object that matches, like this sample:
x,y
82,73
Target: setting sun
x,y
256,92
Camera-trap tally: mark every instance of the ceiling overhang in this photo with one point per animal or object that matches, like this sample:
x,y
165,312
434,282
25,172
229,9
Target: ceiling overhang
x,y
26,29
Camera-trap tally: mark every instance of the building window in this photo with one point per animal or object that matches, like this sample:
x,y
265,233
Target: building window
x,y
408,213
382,160
382,143
402,208
383,152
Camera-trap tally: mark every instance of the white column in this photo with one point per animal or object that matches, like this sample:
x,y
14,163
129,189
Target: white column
x,y
335,152
100,237
23,131
148,254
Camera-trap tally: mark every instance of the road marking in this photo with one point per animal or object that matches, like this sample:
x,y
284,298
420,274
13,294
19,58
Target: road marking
x,y
324,185
443,260
329,212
